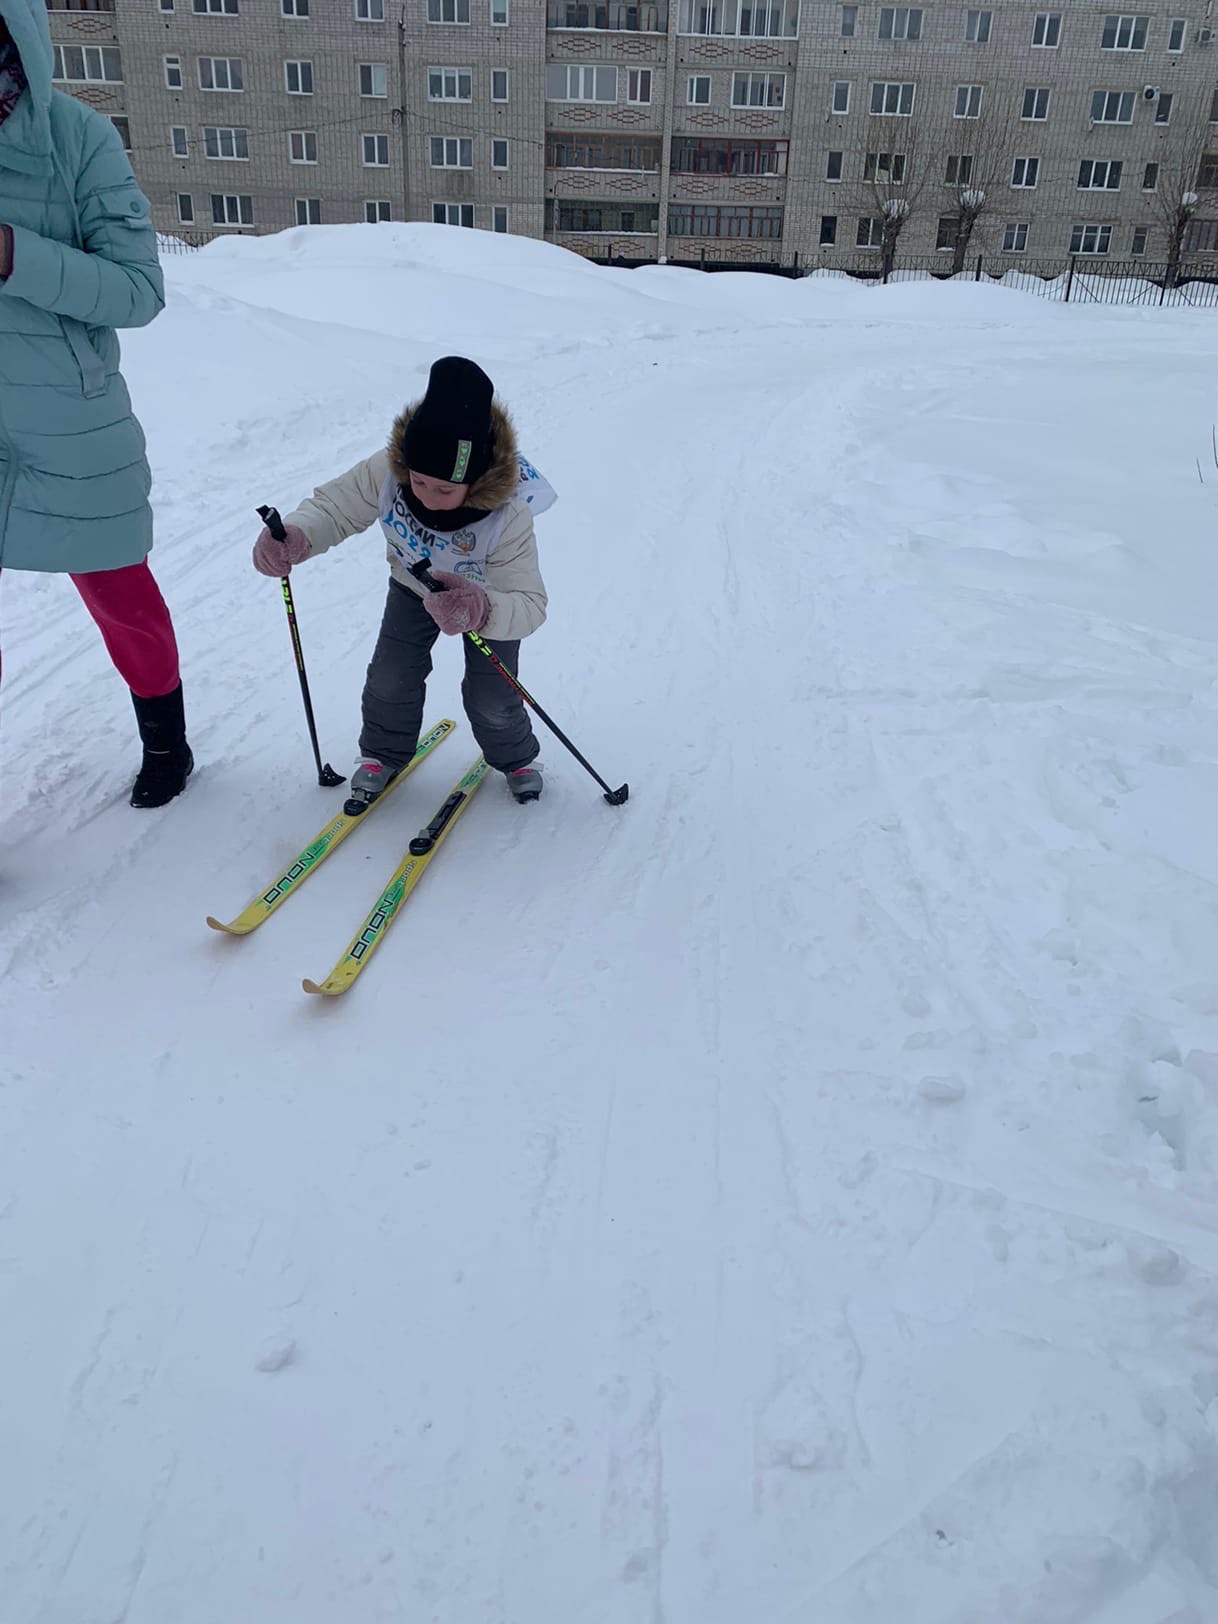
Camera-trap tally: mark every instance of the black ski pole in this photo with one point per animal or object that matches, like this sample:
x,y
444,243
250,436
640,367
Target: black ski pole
x,y
422,573
326,776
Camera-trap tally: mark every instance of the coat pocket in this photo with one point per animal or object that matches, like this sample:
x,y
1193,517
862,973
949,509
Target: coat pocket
x,y
90,364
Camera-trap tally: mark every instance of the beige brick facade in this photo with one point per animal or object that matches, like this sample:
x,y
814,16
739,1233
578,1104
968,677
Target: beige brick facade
x,y
645,129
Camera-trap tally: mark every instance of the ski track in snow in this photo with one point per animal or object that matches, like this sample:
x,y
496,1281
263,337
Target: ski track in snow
x,y
789,1198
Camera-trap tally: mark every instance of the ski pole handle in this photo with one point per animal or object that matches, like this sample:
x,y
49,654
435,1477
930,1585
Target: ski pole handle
x,y
421,572
270,518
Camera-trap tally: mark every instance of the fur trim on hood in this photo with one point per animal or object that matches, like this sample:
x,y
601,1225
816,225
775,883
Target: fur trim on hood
x,y
496,486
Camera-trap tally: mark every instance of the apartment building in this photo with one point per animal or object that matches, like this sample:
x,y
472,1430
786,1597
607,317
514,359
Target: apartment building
x,y
732,130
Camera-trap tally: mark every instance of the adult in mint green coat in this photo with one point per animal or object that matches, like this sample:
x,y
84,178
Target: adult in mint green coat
x,y
78,259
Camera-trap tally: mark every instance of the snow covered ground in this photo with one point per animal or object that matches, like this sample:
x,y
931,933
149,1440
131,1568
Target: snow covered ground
x,y
789,1199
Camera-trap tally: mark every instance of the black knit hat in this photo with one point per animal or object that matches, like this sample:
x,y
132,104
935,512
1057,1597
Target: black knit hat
x,y
450,436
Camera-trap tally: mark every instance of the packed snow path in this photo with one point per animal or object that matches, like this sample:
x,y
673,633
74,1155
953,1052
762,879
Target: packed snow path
x,y
788,1199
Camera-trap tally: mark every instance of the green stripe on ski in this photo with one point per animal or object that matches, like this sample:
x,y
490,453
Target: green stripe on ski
x,y
318,849
402,882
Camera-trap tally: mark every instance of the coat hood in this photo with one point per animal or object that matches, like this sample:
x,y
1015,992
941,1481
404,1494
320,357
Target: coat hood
x,y
28,24
25,136
497,484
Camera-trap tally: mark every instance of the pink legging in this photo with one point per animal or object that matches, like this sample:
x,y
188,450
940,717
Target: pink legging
x,y
135,626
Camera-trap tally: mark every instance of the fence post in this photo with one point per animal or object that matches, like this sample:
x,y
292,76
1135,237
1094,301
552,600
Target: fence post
x,y
977,275
1070,279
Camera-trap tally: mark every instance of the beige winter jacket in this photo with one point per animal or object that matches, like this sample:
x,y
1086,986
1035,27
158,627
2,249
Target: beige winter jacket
x,y
351,504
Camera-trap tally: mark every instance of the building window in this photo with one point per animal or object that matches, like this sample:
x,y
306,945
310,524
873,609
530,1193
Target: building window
x,y
499,13
232,211
448,11
453,214
294,8
186,209
1035,106
499,84
226,145
308,211
977,26
1207,172
302,146
1015,237
377,210
1163,107
370,11
833,166
173,72
1047,30
968,101
447,151
850,21
1025,172
90,64
900,22
298,78
841,97
698,91
892,100
221,73
1138,245
179,143
712,155
1088,239
640,153
215,8
450,84
828,230
1175,38
1112,107
123,126
499,219
638,85
949,228
959,169
571,83
373,79
885,168
375,151
1124,34
1150,178
724,220
499,153
1099,175
1201,237
869,233
768,18
166,5
759,89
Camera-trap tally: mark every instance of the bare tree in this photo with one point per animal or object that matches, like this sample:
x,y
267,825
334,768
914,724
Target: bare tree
x,y
892,182
973,179
1183,171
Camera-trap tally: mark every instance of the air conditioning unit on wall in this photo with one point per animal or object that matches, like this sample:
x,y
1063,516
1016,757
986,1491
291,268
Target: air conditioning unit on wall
x,y
1150,93
1206,36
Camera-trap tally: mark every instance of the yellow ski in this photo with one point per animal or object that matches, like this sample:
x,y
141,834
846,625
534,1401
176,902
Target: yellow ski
x,y
316,852
405,877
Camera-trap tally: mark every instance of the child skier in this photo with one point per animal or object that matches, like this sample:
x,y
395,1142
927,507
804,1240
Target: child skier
x,y
452,487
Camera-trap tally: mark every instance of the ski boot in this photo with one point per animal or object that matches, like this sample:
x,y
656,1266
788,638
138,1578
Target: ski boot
x,y
525,783
369,782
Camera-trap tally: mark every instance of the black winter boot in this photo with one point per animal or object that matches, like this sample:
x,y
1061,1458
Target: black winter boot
x,y
168,762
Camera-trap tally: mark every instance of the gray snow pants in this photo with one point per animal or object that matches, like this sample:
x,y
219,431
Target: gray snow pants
x,y
397,680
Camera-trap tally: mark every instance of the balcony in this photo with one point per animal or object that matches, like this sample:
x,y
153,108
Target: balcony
x,y
694,155
610,16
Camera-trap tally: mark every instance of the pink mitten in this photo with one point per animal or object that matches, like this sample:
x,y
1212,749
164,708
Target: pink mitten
x,y
462,606
273,557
